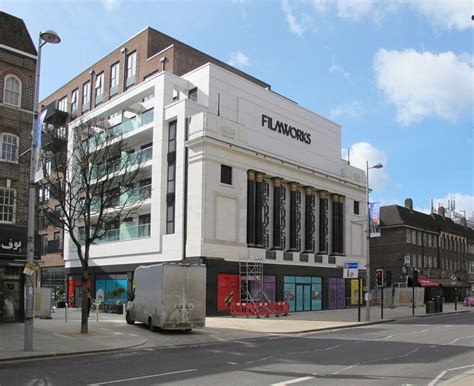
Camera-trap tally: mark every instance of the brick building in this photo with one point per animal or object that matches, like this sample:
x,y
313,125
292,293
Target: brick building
x,y
439,249
17,79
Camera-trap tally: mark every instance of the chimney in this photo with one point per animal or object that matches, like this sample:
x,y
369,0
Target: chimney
x,y
441,210
463,222
409,204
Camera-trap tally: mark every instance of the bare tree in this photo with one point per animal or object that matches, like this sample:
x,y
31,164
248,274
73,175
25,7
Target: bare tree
x,y
93,177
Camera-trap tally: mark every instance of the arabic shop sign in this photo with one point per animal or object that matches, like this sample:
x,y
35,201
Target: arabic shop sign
x,y
12,242
286,129
14,246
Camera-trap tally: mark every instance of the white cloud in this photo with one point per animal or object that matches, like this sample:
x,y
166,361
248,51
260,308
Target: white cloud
x,y
337,68
110,5
449,14
352,109
446,14
238,58
423,84
362,152
295,26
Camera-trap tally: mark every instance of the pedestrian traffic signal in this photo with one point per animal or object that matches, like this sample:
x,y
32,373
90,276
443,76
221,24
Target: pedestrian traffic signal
x,y
379,277
415,277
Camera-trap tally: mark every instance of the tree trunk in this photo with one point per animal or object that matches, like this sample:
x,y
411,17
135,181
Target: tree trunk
x,y
85,301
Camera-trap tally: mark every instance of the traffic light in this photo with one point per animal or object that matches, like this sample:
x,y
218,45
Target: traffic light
x,y
415,277
379,277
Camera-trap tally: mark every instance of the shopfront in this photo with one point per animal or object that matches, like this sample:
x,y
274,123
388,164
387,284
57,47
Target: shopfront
x,y
303,293
12,261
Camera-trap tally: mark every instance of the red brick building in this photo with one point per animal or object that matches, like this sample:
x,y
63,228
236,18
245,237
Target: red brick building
x,y
17,80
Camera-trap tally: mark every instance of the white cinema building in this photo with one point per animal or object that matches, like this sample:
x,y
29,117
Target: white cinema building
x,y
237,174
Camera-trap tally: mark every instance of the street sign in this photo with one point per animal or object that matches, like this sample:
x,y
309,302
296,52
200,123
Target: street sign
x,y
407,260
351,271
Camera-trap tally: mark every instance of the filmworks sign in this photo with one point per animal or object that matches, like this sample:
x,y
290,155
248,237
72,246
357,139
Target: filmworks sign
x,y
286,129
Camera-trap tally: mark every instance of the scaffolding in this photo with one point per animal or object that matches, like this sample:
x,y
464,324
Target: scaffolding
x,y
251,281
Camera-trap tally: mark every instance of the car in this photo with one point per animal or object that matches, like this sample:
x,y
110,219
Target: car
x,y
469,301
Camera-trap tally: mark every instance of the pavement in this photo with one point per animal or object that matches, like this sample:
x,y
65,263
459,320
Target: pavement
x,y
109,332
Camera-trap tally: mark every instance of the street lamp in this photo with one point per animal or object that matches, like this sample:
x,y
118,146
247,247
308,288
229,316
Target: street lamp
x,y
53,38
367,304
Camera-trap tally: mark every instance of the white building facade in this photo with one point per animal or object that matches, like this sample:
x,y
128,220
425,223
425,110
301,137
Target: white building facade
x,y
236,174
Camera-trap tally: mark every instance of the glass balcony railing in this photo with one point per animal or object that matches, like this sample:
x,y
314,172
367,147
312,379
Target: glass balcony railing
x,y
123,233
125,127
132,197
126,233
124,163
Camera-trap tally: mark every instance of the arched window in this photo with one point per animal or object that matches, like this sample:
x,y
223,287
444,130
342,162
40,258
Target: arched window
x,y
12,91
9,145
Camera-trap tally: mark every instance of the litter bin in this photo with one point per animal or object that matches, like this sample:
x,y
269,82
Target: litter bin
x,y
430,307
438,304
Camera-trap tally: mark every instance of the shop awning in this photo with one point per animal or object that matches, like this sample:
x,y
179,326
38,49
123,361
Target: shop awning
x,y
426,281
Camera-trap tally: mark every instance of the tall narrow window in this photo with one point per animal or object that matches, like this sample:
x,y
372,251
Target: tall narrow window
x,y
7,205
114,78
171,179
323,222
9,147
192,94
62,105
12,91
131,68
144,225
226,174
99,88
251,208
309,225
86,96
74,102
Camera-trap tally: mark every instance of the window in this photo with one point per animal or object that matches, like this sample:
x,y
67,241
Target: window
x,y
193,94
9,150
12,91
131,68
144,225
7,205
86,96
74,100
44,193
171,178
114,78
99,88
175,95
226,174
44,244
356,207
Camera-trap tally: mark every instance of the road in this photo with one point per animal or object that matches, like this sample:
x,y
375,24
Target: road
x,y
426,350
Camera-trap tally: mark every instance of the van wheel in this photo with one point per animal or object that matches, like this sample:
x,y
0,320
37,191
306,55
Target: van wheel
x,y
188,330
151,327
128,318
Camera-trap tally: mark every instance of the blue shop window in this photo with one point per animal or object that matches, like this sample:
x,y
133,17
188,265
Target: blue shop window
x,y
111,291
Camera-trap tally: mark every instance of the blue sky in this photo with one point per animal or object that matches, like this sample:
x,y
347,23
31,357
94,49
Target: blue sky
x,y
396,75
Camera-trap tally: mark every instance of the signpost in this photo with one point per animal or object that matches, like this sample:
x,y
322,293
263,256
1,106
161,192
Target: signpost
x,y
351,271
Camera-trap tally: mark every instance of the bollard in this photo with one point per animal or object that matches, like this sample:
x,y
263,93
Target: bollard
x,y
97,311
65,312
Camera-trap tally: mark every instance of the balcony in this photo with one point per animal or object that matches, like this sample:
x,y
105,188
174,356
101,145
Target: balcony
x,y
123,233
132,197
125,127
123,163
54,115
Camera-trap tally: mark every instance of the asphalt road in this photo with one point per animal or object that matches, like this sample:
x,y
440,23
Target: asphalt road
x,y
426,350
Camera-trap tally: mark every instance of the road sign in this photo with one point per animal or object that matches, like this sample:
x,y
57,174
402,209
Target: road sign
x,y
351,271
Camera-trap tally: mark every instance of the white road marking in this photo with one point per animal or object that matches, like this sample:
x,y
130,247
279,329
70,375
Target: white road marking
x,y
144,377
462,337
232,363
442,373
296,380
387,337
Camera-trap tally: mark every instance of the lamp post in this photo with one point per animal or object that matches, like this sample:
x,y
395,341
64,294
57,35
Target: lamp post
x,y
367,304
53,38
